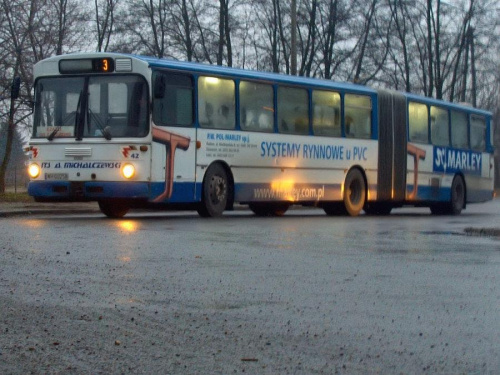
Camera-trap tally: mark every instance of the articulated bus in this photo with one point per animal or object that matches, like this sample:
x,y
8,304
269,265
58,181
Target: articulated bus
x,y
132,131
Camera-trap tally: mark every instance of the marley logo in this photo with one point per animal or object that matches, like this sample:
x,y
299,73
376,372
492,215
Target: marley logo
x,y
126,150
34,152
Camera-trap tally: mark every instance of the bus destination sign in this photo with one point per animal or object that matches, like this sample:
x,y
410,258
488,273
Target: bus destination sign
x,y
99,65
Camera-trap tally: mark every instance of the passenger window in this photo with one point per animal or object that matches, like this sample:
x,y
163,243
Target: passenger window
x,y
418,115
216,103
477,133
172,99
256,107
358,116
440,133
293,111
459,134
326,113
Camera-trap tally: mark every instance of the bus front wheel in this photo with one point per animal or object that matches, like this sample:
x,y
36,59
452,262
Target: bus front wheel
x,y
114,208
215,192
354,192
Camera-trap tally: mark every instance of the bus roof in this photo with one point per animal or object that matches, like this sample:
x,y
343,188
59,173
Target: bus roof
x,y
220,70
254,74
263,76
450,105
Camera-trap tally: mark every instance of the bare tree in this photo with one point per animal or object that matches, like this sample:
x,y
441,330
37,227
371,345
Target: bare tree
x,y
333,18
13,45
224,34
30,32
266,15
228,28
12,48
372,44
145,27
308,42
283,34
293,32
105,20
403,17
181,13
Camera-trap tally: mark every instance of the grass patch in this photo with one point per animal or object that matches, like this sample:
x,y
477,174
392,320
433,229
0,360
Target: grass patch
x,y
10,197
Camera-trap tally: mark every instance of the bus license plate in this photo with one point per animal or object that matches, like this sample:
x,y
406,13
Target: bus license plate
x,y
56,176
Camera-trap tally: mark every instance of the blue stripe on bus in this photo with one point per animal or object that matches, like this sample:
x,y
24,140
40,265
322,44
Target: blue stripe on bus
x,y
182,192
190,192
429,193
443,194
89,190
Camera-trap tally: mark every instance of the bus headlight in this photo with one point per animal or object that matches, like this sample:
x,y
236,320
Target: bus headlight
x,y
34,170
128,171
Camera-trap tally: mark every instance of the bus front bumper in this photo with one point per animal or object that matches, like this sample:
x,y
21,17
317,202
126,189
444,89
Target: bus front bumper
x,y
87,190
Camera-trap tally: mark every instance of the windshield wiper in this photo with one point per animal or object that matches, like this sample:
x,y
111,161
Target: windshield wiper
x,y
105,130
57,128
53,134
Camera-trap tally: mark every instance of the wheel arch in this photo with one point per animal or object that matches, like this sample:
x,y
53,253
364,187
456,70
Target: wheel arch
x,y
462,176
363,173
230,180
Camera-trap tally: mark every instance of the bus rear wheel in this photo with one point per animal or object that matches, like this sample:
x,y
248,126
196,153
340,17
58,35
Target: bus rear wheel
x,y
215,192
380,209
334,209
457,199
114,208
269,209
354,192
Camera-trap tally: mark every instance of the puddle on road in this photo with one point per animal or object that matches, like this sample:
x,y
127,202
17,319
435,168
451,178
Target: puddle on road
x,y
470,232
442,233
482,232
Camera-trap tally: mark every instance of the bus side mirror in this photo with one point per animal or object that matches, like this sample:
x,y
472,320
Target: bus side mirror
x,y
160,84
14,88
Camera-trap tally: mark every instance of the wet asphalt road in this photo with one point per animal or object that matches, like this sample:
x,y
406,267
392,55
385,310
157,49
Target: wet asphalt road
x,y
173,293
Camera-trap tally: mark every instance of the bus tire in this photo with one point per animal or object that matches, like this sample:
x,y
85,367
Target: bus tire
x,y
334,209
215,192
114,208
457,199
269,209
354,192
438,209
379,209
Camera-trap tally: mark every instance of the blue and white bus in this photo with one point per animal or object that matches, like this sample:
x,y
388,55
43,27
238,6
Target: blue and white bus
x,y
133,131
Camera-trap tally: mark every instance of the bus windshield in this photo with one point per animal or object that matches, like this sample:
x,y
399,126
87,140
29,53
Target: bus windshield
x,y
91,107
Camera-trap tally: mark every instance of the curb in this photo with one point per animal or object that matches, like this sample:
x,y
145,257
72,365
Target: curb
x,y
12,209
28,212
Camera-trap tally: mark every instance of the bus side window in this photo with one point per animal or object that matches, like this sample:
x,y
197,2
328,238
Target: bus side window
x,y
293,111
477,133
459,126
206,114
418,116
358,115
440,134
256,106
173,99
216,103
326,113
